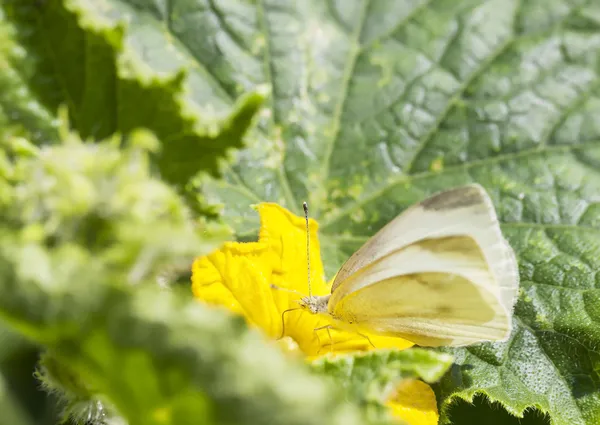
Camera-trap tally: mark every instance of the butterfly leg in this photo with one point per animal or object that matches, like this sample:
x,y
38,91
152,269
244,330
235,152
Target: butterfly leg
x,y
318,339
283,321
367,338
328,327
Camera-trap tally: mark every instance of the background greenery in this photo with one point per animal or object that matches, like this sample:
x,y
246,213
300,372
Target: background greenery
x,y
361,107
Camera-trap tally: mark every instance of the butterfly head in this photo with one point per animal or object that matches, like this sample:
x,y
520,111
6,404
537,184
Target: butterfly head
x,y
314,304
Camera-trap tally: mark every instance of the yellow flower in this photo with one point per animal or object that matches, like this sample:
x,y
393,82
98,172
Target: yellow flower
x,y
263,281
414,402
256,280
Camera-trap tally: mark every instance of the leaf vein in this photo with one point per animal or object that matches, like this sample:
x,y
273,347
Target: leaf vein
x,y
460,92
241,185
344,87
564,288
225,25
399,25
268,69
207,73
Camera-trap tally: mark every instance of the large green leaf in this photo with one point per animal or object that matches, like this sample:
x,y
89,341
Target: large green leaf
x,y
377,104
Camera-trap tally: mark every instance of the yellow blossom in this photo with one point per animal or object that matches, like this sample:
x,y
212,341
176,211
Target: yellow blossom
x,y
256,279
414,402
263,281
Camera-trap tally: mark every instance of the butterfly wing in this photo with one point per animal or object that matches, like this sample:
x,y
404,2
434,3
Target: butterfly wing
x,y
439,274
464,211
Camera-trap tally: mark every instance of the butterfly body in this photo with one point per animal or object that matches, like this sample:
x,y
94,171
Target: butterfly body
x,y
316,304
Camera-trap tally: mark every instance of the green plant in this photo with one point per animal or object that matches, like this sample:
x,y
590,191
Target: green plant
x,y
136,134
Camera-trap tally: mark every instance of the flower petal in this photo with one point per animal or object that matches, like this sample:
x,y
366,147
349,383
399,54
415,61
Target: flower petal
x,y
238,276
414,402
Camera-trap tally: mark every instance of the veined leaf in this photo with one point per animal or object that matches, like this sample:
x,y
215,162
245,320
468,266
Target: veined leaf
x,y
377,104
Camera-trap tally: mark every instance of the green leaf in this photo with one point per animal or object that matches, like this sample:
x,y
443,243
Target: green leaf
x,y
371,378
67,53
376,105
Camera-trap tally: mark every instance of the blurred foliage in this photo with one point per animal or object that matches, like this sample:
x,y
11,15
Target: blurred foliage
x,y
83,245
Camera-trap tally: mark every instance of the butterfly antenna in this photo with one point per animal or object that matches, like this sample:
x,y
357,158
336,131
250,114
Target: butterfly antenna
x,y
305,206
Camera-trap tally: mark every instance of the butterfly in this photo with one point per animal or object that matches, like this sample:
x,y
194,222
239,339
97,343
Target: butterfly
x,y
439,274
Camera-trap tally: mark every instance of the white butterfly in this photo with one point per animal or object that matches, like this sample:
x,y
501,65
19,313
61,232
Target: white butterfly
x,y
439,274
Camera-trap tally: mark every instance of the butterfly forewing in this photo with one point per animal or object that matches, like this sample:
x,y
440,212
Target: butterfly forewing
x,y
465,210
